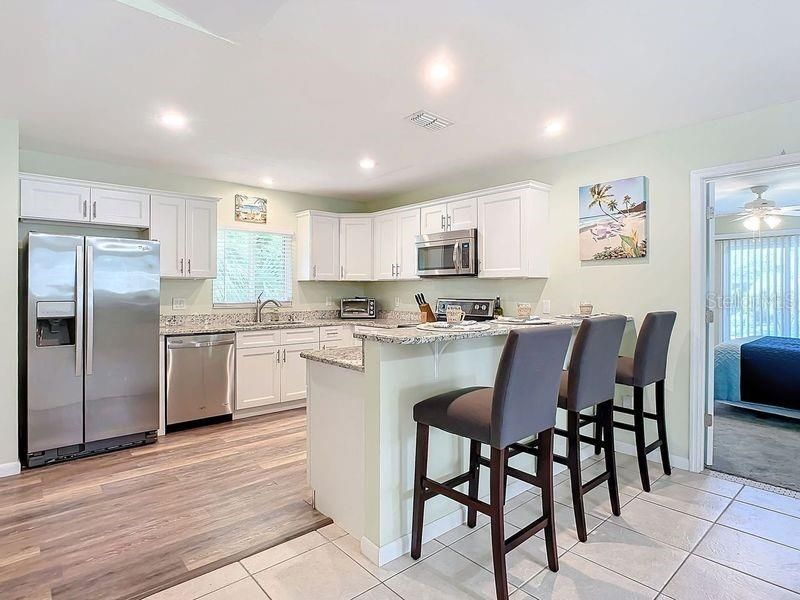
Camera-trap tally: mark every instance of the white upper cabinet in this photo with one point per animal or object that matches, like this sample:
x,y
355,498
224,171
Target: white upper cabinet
x,y
187,231
512,234
385,236
355,248
462,214
120,207
201,239
317,247
168,226
54,200
450,216
395,244
434,218
408,228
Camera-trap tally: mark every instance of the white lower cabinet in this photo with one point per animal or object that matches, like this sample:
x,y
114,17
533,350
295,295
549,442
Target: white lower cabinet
x,y
258,377
337,336
268,373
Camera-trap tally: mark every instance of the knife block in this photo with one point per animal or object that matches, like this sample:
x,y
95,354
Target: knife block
x,y
427,315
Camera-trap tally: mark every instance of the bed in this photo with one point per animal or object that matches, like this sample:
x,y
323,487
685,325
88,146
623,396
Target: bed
x,y
761,373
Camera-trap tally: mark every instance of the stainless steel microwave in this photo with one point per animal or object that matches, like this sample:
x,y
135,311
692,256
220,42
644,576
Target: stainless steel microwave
x,y
448,253
358,308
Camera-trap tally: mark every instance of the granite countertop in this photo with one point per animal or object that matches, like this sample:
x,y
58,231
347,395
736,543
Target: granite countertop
x,y
222,327
414,336
349,358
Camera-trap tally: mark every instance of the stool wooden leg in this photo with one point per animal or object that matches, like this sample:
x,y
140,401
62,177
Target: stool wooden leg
x,y
661,421
420,472
497,493
638,430
574,465
474,470
598,435
607,409
544,471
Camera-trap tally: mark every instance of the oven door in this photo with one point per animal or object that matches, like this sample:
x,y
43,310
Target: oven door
x,y
446,257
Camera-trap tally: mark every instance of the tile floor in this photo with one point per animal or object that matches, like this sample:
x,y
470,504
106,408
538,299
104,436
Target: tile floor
x,y
694,536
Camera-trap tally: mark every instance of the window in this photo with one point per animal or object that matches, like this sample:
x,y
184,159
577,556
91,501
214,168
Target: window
x,y
251,262
759,279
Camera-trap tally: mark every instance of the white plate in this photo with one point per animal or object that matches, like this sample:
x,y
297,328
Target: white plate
x,y
516,319
463,326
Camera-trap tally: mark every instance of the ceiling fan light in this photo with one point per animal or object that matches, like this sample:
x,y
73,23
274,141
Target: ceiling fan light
x,y
752,223
772,221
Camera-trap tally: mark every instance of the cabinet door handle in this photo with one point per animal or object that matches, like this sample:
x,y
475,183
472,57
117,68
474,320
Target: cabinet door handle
x,y
181,266
397,273
341,271
84,209
314,272
277,356
94,209
190,266
449,223
284,355
392,270
443,227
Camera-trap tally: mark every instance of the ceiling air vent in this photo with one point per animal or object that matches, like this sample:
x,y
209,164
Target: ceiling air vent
x,y
429,121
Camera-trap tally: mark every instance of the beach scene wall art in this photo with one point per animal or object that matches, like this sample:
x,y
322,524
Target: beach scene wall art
x,y
613,219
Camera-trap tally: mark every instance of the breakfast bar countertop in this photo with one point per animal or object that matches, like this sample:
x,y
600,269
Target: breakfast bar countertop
x,y
349,358
226,327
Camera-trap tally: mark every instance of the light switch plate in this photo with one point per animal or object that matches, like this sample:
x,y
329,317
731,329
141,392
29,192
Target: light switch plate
x,y
179,304
546,307
397,302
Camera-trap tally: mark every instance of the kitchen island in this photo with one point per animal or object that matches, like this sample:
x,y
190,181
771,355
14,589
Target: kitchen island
x,y
361,432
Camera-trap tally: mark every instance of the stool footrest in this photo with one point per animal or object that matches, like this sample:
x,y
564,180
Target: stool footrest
x,y
629,411
593,483
526,533
433,488
625,426
650,447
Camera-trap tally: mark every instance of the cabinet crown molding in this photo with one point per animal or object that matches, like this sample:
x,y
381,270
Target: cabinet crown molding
x,y
25,176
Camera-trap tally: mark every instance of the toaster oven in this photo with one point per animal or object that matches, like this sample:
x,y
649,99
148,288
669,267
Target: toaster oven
x,y
358,308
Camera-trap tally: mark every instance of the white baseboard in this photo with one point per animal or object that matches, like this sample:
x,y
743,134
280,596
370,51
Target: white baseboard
x,y
679,462
11,468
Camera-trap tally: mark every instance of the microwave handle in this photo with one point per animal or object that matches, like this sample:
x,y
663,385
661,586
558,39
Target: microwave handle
x,y
456,257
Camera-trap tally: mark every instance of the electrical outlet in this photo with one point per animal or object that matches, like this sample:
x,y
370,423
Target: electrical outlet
x,y
546,307
397,302
179,304
627,401
328,301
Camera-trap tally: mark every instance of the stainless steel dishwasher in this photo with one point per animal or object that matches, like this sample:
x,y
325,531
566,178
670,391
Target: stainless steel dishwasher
x,y
200,377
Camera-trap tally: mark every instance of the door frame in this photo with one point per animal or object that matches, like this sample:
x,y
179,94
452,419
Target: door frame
x,y
701,377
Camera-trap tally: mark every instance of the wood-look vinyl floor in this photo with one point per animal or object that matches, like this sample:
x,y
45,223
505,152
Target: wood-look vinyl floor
x,y
126,524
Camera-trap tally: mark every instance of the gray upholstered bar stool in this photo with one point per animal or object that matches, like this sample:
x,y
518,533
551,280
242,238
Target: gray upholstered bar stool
x,y
521,404
589,382
648,366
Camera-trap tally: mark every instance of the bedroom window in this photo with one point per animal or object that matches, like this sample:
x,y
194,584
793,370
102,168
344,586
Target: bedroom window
x,y
251,262
759,279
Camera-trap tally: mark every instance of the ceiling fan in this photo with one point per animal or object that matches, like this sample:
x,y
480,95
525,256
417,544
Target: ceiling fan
x,y
760,211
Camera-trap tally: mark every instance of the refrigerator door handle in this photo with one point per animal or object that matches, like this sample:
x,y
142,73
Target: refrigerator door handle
x,y
79,311
89,308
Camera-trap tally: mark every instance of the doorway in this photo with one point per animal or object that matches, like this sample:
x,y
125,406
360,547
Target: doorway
x,y
751,346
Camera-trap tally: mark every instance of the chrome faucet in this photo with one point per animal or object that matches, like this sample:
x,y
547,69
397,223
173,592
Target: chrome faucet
x,y
260,306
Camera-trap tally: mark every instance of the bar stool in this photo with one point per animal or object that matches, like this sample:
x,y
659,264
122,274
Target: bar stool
x,y
521,404
589,381
648,365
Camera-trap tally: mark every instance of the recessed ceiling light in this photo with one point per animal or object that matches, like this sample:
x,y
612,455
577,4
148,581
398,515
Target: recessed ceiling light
x,y
173,120
267,181
439,72
367,163
554,127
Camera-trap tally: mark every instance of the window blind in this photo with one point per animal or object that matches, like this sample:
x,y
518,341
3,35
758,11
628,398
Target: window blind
x,y
760,286
251,262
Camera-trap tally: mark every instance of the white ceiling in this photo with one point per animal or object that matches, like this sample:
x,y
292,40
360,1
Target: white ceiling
x,y
310,87
731,194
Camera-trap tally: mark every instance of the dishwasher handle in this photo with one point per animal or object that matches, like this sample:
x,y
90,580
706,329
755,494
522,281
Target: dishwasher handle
x,y
200,341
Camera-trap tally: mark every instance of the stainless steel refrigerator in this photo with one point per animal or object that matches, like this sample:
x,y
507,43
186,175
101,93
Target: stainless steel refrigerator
x,y
89,345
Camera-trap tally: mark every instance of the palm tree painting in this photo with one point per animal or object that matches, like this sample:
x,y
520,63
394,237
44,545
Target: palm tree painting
x,y
613,219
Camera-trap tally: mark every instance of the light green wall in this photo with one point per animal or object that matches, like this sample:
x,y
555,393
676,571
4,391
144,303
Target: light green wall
x,y
662,280
282,207
9,212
